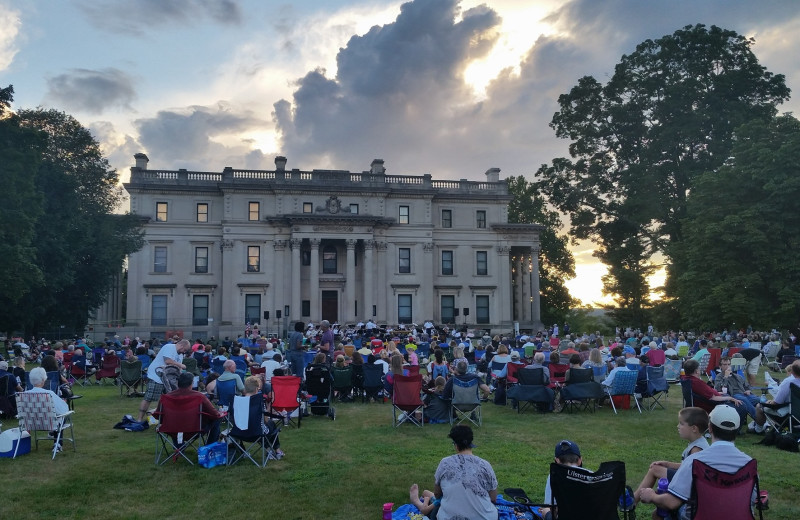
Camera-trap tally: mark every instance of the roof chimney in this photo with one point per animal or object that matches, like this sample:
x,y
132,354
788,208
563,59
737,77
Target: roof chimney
x,y
141,161
493,175
280,163
376,167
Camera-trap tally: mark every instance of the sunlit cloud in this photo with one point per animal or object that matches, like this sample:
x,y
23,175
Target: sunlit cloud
x,y
10,24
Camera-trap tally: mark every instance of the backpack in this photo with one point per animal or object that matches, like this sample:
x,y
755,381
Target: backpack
x,y
169,377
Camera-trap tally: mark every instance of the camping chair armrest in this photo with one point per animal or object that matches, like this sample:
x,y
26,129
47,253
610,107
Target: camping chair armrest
x,y
63,415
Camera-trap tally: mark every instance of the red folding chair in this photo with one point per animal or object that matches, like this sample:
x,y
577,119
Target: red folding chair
x,y
558,374
407,400
110,369
286,398
717,495
180,426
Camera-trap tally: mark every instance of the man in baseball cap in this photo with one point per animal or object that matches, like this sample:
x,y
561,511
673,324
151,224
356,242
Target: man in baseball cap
x,y
568,454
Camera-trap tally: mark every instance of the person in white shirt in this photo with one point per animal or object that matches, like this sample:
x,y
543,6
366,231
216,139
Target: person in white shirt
x,y
38,378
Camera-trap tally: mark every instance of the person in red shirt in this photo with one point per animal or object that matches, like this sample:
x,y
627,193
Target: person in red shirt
x,y
709,398
211,415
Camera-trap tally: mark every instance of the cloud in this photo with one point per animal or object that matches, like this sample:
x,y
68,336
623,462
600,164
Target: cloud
x,y
205,138
135,18
91,91
10,24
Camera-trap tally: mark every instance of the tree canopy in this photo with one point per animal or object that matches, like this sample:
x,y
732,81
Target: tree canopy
x,y
737,264
638,143
556,263
76,244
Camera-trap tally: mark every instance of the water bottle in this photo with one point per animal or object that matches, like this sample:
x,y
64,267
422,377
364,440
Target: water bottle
x,y
387,510
763,398
663,484
626,500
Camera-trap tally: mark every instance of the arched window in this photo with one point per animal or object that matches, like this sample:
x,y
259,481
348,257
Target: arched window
x,y
329,260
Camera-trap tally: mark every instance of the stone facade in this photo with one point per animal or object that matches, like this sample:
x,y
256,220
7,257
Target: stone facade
x,y
226,248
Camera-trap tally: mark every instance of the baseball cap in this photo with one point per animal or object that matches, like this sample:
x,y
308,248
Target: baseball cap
x,y
3,365
725,417
566,447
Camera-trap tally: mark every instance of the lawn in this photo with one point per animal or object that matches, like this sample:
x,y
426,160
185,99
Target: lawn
x,y
342,469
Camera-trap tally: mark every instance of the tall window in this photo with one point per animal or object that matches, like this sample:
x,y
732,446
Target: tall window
x,y
305,257
329,260
481,263
308,207
200,309
480,218
447,262
253,259
202,212
447,218
252,308
158,310
200,259
403,308
160,259
253,211
161,211
404,260
305,307
448,309
403,217
482,309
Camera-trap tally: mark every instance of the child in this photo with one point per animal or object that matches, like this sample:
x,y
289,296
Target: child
x,y
428,502
692,424
569,454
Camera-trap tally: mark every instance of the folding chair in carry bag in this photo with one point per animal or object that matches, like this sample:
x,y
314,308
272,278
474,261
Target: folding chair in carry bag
x,y
407,400
246,437
717,495
466,403
37,412
180,426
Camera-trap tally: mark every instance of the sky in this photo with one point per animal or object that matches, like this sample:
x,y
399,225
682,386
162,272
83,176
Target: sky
x,y
431,86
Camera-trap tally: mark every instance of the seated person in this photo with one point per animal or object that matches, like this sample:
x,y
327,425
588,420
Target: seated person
x,y
692,425
462,375
574,362
709,397
780,406
211,415
249,418
38,379
620,366
538,360
229,373
731,383
437,408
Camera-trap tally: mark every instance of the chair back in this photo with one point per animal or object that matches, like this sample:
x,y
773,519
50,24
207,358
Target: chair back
x,y
704,361
686,389
217,366
599,491
53,380
255,416
342,377
600,372
466,392
97,355
656,382
439,370
558,372
110,367
497,367
191,366
794,408
531,376
720,495
406,392
624,382
479,353
656,357
254,371
787,360
372,376
131,371
511,371
713,361
580,375
36,411
226,390
672,369
285,390
683,351
180,413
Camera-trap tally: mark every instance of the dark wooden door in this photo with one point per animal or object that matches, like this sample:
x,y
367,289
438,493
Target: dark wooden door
x,y
330,306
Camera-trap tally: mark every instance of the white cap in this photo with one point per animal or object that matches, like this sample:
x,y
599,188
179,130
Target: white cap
x,y
725,417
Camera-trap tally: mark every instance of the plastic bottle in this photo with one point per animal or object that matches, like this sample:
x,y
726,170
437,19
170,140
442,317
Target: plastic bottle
x,y
387,510
663,484
626,501
763,399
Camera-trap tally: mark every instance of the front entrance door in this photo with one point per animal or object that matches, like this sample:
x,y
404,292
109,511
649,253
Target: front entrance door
x,y
330,306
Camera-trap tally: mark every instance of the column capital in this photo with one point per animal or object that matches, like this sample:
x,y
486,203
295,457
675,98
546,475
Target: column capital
x,y
279,245
503,250
351,244
369,244
315,243
381,246
295,243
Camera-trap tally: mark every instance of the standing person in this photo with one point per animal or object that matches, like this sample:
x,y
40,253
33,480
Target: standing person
x,y
722,455
326,343
170,354
465,483
294,350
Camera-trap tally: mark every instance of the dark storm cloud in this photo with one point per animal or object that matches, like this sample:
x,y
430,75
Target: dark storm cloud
x,y
185,138
91,91
133,17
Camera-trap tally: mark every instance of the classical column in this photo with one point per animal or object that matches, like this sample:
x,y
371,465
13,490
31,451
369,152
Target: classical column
x,y
502,305
277,294
536,305
518,288
426,300
228,294
383,276
316,309
369,271
350,284
296,310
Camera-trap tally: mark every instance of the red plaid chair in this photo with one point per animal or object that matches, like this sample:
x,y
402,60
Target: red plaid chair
x,y
37,412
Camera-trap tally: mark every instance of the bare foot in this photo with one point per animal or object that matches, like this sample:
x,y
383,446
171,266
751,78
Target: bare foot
x,y
414,494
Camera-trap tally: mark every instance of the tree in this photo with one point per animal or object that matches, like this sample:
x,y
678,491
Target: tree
x,y
638,143
21,150
738,262
80,244
556,262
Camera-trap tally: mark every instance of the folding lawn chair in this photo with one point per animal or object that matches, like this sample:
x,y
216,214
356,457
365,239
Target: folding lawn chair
x,y
532,390
624,384
246,438
343,382
79,371
407,400
581,391
466,403
37,412
180,426
109,369
373,382
286,398
672,370
717,495
8,391
657,387
130,377
558,373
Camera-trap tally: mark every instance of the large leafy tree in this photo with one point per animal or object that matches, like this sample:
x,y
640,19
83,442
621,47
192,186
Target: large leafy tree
x,y
737,264
20,149
556,263
639,141
79,242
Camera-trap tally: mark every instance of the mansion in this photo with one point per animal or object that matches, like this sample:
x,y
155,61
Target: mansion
x,y
275,246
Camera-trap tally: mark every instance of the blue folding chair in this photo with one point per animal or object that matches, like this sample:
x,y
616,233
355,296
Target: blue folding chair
x,y
624,384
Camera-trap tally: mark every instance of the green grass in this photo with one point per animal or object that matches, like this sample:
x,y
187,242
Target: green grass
x,y
342,469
